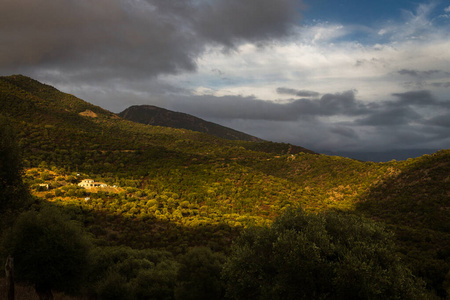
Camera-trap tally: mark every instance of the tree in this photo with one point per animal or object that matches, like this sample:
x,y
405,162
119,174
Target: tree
x,y
126,273
12,189
199,275
49,251
325,256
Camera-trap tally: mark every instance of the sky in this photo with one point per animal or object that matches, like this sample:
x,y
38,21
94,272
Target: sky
x,y
328,75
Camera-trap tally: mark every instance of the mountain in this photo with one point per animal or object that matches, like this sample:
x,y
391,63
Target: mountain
x,y
48,119
152,115
249,181
383,156
178,188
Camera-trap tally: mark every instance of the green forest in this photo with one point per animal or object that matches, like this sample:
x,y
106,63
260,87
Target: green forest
x,y
187,215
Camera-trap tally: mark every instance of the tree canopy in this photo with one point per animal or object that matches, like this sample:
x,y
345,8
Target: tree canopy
x,y
323,256
49,251
12,190
199,275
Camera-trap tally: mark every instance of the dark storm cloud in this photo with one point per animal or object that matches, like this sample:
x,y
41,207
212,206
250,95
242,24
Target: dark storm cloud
x,y
238,107
422,98
118,38
344,131
408,72
441,120
441,84
416,73
227,21
389,117
405,109
298,93
336,120
419,99
341,104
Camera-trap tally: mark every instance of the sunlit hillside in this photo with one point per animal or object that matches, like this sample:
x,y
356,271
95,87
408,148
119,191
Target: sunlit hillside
x,y
172,189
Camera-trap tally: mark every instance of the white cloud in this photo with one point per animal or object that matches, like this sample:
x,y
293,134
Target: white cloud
x,y
323,67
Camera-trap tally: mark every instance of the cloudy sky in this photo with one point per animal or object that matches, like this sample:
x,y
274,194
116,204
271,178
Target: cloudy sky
x,y
342,75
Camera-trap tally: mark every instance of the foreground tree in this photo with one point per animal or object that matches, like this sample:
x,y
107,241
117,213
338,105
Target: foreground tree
x,y
49,251
324,256
199,275
126,273
12,189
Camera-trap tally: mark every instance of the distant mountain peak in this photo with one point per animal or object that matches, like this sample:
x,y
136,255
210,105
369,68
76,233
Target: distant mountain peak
x,y
157,116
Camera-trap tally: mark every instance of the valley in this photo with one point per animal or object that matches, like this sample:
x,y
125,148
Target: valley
x,y
173,189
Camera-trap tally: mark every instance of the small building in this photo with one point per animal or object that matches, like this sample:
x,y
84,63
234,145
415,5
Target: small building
x,y
89,184
44,186
86,183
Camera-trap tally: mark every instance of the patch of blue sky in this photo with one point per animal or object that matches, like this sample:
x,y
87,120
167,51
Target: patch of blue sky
x,y
215,83
365,19
355,11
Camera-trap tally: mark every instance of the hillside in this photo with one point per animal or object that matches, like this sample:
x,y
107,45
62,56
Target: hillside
x,y
235,183
152,115
177,188
415,203
47,119
383,156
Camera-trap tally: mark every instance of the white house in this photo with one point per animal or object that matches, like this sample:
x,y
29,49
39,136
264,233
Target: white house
x,y
89,184
44,185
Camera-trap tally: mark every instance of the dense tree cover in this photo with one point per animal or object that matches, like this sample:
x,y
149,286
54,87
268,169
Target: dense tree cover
x,y
199,275
125,273
323,256
178,189
49,251
192,213
415,204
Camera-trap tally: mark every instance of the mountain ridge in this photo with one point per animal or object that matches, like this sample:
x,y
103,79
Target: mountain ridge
x,y
383,156
153,115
